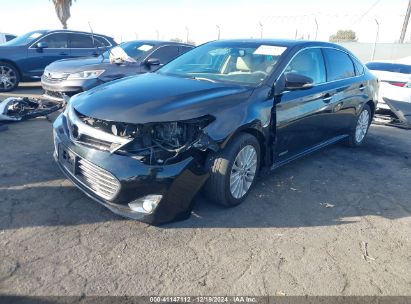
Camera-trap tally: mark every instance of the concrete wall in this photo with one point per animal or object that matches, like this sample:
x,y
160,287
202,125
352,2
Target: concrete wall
x,y
388,51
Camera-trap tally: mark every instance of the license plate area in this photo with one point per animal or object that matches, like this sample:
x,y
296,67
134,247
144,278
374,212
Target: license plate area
x,y
67,159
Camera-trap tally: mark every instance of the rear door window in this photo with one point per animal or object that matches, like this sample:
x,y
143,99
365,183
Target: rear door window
x,y
81,41
310,63
339,65
56,41
102,41
359,68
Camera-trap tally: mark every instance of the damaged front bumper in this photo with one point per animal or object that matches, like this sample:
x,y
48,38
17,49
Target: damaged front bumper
x,y
149,193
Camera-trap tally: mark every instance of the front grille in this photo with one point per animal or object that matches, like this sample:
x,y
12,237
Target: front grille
x,y
53,94
94,142
54,76
102,182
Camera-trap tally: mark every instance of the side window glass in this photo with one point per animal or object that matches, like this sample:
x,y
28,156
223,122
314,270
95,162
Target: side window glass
x,y
81,41
101,42
165,54
10,37
359,68
309,63
184,49
56,41
339,65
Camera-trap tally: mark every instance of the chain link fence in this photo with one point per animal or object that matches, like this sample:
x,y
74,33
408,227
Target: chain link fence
x,y
369,37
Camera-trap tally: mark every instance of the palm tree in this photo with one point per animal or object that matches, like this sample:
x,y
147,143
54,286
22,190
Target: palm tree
x,y
63,10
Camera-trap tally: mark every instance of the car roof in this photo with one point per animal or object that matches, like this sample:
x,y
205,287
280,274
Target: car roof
x,y
161,42
282,42
404,61
70,31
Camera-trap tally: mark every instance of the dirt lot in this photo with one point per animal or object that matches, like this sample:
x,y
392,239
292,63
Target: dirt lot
x,y
335,223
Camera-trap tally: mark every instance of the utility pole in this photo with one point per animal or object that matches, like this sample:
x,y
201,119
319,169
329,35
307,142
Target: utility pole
x,y
316,28
405,24
376,39
219,31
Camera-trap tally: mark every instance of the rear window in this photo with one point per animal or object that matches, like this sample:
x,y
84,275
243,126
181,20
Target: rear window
x,y
339,65
359,68
389,67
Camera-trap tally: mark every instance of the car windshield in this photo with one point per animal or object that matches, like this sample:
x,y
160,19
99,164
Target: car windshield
x,y
389,67
24,39
133,49
239,63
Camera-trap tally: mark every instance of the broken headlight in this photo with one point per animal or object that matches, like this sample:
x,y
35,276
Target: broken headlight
x,y
161,143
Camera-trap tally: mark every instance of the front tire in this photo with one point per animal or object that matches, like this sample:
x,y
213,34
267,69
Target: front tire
x,y
9,77
233,170
359,132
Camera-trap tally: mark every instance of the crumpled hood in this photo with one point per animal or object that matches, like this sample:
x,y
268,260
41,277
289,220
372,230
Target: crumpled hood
x,y
158,98
78,64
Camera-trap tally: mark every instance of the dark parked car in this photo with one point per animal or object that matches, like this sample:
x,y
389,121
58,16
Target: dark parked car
x,y
72,76
144,146
24,58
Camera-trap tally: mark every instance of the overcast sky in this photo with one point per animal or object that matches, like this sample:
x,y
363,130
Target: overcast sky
x,y
131,19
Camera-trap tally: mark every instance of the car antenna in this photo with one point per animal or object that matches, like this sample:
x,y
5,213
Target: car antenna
x,y
92,35
101,43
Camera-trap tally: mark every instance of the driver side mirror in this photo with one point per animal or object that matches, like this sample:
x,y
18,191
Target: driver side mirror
x,y
42,45
152,61
295,81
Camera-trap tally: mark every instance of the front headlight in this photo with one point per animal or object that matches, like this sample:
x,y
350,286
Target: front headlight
x,y
86,74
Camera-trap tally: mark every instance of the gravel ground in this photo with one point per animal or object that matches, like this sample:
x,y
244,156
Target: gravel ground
x,y
334,223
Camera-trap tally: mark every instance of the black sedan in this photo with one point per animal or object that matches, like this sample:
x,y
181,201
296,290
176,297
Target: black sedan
x,y
71,76
144,146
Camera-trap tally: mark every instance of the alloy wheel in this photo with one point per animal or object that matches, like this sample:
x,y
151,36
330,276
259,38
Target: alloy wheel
x,y
243,171
362,126
8,78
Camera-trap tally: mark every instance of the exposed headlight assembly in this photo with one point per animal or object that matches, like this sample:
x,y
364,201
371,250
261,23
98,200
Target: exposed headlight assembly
x,y
164,143
86,74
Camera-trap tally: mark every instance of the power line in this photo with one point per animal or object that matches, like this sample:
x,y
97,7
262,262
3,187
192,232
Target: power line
x,y
367,11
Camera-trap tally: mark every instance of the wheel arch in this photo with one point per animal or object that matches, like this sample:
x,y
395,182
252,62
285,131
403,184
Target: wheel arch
x,y
255,130
372,106
12,63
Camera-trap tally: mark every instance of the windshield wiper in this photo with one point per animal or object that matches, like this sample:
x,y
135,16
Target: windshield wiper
x,y
204,79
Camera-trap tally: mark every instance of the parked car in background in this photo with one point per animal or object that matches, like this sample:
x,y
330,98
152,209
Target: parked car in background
x,y
4,37
25,57
395,80
144,146
72,76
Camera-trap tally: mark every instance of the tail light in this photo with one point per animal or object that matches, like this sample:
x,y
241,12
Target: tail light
x,y
398,84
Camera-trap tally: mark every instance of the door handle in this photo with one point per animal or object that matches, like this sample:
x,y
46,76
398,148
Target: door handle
x,y
63,54
362,88
327,97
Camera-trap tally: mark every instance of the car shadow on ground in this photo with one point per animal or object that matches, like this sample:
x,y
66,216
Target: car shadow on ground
x,y
334,186
307,193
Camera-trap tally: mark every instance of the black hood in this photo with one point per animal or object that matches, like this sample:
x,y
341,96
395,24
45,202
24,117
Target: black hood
x,y
158,98
78,64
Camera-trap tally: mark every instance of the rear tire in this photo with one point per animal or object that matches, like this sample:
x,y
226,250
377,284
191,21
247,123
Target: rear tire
x,y
360,130
233,170
9,77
